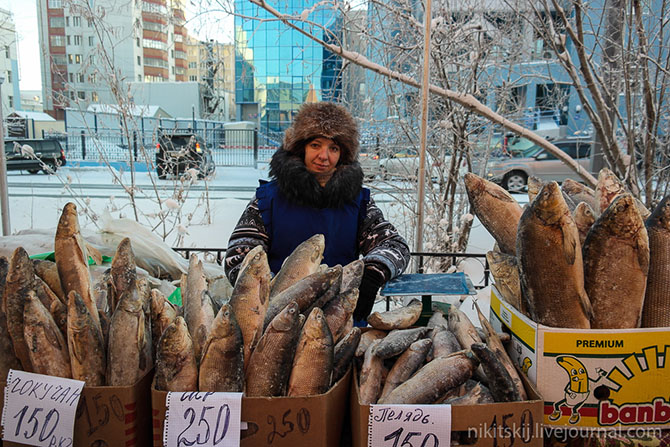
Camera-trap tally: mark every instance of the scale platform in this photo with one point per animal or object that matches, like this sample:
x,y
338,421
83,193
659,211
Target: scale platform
x,y
428,285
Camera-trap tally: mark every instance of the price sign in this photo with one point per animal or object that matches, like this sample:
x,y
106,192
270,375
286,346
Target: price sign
x,y
409,426
202,419
40,410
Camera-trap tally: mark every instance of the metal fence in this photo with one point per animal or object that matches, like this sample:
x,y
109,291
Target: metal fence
x,y
230,147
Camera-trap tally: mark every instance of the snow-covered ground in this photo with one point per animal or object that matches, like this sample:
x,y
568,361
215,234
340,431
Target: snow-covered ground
x,y
205,219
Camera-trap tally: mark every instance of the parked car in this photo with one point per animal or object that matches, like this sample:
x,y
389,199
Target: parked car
x,y
177,152
512,172
369,162
34,155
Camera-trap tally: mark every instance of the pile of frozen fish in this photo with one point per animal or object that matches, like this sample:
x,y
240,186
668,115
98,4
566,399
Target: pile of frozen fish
x,y
434,364
55,321
577,257
290,335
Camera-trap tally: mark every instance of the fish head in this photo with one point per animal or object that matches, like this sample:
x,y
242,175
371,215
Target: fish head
x,y
21,266
225,322
579,378
621,217
570,186
257,262
175,337
660,217
287,318
68,224
124,258
315,323
534,186
314,247
585,212
609,186
549,204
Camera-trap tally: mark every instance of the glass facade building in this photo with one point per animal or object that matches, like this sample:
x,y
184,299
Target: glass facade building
x,y
277,69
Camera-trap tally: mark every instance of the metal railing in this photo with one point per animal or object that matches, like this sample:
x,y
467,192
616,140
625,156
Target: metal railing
x,y
230,147
220,253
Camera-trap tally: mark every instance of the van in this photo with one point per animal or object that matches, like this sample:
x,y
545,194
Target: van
x,y
34,155
512,171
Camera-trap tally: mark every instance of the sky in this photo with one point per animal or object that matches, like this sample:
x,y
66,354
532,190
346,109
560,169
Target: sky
x,y
209,25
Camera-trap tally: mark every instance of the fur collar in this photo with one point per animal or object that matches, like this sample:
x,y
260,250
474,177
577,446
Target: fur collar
x,y
302,188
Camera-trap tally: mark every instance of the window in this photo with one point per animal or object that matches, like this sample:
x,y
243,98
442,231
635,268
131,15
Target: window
x,y
76,21
153,26
149,78
81,95
67,21
71,76
192,65
57,41
59,59
180,55
74,58
178,38
139,78
139,60
55,4
90,23
77,40
181,70
138,41
91,41
11,101
69,42
153,7
155,62
94,97
7,51
172,69
70,58
156,44
193,78
80,77
9,76
56,22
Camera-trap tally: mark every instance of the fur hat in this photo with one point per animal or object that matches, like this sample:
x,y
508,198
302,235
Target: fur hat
x,y
323,119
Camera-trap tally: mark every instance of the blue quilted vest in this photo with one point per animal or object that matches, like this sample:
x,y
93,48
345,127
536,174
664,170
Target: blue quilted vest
x,y
288,225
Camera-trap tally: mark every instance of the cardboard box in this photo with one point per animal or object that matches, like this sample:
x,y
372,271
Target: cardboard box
x,y
280,421
596,378
484,425
110,415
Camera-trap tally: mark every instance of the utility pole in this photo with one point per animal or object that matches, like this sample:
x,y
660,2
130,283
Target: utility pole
x,y
4,196
425,93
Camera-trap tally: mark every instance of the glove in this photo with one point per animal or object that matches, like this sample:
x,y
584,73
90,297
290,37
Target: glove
x,y
372,281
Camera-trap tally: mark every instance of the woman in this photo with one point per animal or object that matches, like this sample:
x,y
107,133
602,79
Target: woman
x,y
317,187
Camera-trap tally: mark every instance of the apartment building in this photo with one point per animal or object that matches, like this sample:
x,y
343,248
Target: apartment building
x,y
9,67
88,51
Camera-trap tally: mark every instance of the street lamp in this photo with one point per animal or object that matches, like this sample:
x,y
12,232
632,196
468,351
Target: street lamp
x,y
4,197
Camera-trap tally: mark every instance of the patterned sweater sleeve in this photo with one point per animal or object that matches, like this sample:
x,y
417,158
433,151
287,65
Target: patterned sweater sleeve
x,y
381,245
248,233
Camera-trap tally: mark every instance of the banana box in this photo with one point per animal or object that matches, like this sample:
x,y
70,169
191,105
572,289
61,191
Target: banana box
x,y
593,378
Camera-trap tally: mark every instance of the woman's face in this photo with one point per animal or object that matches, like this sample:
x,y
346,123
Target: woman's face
x,y
321,156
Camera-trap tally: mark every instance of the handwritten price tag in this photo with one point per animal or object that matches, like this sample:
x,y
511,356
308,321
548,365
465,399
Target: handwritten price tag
x,y
202,419
409,426
40,410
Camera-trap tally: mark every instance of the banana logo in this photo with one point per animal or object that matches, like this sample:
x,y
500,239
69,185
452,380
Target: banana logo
x,y
577,389
579,380
525,366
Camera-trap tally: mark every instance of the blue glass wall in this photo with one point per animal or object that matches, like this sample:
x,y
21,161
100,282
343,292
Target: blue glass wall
x,y
278,68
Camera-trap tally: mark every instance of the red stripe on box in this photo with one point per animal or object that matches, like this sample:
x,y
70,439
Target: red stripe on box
x,y
131,406
130,417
